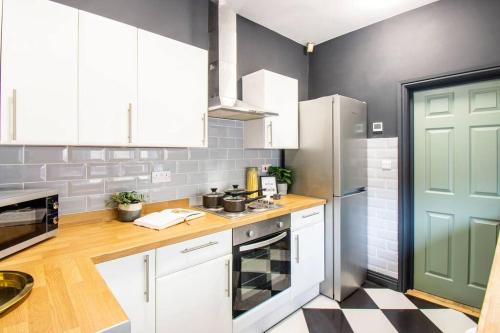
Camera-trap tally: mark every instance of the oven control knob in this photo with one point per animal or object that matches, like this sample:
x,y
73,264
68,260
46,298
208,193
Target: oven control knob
x,y
55,205
55,220
250,233
280,225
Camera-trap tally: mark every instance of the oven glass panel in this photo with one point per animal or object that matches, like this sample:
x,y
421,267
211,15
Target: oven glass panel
x,y
260,273
23,221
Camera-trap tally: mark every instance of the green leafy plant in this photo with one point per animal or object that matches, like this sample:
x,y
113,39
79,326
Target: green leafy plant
x,y
125,198
283,175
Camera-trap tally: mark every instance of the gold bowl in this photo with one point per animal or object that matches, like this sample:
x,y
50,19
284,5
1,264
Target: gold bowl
x,y
14,287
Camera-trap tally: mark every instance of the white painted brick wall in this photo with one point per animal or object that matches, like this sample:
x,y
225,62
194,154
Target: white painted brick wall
x,y
383,206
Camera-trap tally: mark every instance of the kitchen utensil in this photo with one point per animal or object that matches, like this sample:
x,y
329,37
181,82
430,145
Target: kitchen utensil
x,y
237,204
236,191
14,287
213,199
252,180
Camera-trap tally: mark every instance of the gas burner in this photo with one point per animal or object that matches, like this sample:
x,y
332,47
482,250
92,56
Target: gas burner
x,y
252,208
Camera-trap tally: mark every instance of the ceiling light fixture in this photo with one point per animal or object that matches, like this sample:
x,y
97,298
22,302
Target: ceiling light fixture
x,y
310,47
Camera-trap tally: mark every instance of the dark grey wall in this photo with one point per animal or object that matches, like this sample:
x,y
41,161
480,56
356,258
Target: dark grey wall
x,y
261,48
446,36
183,20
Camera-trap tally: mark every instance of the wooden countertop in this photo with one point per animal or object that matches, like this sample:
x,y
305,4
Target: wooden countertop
x,y
489,321
69,294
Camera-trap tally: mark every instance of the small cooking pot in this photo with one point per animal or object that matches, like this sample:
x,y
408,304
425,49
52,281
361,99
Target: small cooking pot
x,y
236,191
213,199
237,203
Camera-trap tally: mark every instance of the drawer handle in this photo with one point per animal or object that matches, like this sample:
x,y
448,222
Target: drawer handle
x,y
297,240
228,267
191,249
310,215
146,278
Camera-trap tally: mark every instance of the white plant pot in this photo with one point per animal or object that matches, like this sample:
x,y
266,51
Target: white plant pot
x,y
129,213
283,189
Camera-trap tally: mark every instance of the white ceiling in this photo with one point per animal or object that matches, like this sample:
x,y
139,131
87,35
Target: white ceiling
x,y
320,20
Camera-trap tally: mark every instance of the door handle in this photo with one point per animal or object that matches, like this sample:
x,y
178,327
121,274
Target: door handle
x,y
297,243
146,278
191,249
263,243
204,120
310,215
14,115
228,290
130,123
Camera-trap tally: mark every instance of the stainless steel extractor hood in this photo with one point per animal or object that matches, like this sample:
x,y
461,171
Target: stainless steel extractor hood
x,y
223,102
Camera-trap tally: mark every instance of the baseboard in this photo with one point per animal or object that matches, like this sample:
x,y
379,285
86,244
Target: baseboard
x,y
382,280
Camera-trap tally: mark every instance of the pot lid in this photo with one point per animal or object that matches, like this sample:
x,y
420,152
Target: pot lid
x,y
214,193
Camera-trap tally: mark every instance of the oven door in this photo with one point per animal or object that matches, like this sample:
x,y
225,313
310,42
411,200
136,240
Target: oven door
x,y
21,222
261,269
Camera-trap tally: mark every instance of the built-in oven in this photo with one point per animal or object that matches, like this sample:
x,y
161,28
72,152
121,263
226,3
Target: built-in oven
x,y
26,218
261,262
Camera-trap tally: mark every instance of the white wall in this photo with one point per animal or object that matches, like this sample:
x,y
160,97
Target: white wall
x,y
383,206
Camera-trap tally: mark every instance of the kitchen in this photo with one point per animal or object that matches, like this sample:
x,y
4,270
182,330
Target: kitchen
x,y
106,97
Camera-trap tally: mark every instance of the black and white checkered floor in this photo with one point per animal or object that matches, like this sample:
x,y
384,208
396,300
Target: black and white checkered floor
x,y
373,310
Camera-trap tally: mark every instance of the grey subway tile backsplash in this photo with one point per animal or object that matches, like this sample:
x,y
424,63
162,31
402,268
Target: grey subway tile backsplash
x,y
86,154
85,187
85,177
66,171
11,173
36,154
11,154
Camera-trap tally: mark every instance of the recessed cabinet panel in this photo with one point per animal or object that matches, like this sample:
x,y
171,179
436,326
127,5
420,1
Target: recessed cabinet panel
x,y
439,160
483,235
484,100
107,81
439,105
39,73
438,245
173,93
485,160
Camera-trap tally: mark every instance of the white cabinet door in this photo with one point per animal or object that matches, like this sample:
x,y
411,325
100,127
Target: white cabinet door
x,y
275,93
107,81
173,102
132,281
39,73
307,257
197,299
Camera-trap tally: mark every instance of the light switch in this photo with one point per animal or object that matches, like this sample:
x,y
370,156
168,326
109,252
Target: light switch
x,y
386,164
378,127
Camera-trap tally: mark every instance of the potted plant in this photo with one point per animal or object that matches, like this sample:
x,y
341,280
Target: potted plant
x,y
284,178
129,205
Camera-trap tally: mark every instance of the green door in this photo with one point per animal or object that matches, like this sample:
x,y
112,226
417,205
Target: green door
x,y
457,189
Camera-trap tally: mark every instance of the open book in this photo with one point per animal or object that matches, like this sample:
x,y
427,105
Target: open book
x,y
167,218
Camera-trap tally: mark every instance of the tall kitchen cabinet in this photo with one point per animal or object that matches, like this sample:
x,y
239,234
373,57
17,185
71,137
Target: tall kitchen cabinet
x,y
173,92
132,281
274,93
39,73
107,86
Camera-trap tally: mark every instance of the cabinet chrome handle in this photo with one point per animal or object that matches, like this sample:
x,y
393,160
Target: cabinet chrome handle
x,y
297,243
270,127
204,120
146,278
228,290
14,115
130,123
191,249
309,215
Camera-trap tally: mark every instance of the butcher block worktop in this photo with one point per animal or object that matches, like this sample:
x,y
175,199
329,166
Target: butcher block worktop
x,y
489,321
69,294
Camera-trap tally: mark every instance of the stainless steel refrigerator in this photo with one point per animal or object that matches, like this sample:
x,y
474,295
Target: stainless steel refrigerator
x,y
331,163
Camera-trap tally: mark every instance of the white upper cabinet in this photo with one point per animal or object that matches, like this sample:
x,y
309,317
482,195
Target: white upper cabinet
x,y
107,81
39,73
274,93
173,93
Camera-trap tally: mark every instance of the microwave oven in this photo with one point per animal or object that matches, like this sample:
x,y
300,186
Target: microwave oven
x,y
27,217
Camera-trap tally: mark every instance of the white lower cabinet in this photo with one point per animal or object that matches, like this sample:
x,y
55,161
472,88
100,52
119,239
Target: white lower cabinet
x,y
308,249
196,299
132,281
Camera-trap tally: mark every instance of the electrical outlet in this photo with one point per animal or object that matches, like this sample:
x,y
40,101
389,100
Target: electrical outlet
x,y
386,164
161,177
264,168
